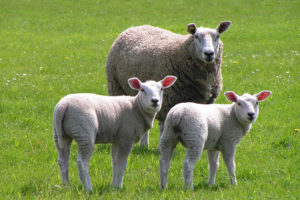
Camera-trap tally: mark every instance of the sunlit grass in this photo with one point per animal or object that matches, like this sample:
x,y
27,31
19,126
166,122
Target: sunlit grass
x,y
49,49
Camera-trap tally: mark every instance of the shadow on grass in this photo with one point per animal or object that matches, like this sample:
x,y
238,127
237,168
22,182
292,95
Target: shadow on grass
x,y
145,151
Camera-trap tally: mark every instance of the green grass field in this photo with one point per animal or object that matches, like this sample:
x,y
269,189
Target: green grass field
x,y
49,49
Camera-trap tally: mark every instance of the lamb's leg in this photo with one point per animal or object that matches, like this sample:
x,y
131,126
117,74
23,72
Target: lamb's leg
x,y
145,140
167,149
83,157
121,157
167,144
63,159
192,155
213,158
114,152
228,157
161,128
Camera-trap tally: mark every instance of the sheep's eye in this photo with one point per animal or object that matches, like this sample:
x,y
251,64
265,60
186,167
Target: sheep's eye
x,y
239,104
257,103
142,90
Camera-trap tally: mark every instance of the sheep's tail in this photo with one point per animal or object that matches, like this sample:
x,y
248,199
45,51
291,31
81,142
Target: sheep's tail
x,y
58,131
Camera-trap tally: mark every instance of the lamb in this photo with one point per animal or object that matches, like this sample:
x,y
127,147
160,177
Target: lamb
x,y
214,127
90,119
148,52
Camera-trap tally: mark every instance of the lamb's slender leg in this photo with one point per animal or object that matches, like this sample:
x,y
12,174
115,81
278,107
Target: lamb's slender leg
x,y
228,157
213,159
166,148
192,155
145,140
121,163
161,128
63,159
83,157
114,152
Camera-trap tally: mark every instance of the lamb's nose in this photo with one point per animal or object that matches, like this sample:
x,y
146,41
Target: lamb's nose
x,y
251,115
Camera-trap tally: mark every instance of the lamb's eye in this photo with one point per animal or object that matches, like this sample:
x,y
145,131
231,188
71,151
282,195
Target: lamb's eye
x,y
142,90
239,104
257,103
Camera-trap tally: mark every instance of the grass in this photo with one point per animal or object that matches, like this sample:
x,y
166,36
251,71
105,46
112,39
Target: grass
x,y
49,49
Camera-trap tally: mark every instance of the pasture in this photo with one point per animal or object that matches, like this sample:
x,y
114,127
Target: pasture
x,y
49,49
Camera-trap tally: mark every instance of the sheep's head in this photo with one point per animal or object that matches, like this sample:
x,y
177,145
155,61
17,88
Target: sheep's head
x,y
206,40
246,106
151,92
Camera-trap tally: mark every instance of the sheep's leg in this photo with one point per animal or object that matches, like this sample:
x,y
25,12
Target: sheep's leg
x,y
228,157
167,150
192,155
161,130
145,140
213,158
83,157
121,157
114,152
63,159
167,144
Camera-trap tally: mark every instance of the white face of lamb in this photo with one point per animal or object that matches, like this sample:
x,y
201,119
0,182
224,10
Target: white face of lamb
x,y
151,96
247,108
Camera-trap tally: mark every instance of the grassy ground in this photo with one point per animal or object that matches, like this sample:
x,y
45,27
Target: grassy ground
x,y
49,49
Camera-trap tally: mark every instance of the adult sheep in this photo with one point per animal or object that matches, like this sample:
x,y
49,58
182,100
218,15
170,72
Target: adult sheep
x,y
150,52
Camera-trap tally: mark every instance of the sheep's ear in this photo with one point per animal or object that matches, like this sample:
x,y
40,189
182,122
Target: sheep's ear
x,y
223,26
263,95
231,96
135,83
168,81
191,28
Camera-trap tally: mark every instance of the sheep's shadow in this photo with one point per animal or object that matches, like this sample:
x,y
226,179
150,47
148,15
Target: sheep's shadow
x,y
145,151
136,150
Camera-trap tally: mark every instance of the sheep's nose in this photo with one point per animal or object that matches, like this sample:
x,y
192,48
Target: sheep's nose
x,y
251,115
154,101
209,53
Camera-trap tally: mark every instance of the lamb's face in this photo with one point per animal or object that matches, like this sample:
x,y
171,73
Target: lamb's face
x,y
206,40
246,106
151,94
246,109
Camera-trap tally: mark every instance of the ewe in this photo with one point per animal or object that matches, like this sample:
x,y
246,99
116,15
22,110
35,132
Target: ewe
x,y
213,127
90,119
149,52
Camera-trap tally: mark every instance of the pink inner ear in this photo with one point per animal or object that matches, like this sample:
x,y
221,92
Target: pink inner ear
x,y
168,81
135,83
263,96
231,96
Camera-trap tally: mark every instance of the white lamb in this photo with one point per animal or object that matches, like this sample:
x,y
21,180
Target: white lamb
x,y
214,127
90,119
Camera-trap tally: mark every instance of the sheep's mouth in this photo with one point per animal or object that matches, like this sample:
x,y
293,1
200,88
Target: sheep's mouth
x,y
209,59
155,105
251,118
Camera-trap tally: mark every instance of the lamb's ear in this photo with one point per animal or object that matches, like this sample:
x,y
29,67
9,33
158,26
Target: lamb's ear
x,y
263,95
223,26
168,81
231,96
191,28
135,83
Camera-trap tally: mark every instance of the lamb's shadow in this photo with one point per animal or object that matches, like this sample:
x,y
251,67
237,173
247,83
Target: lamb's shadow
x,y
145,151
136,150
